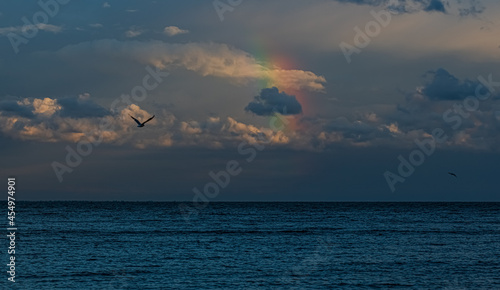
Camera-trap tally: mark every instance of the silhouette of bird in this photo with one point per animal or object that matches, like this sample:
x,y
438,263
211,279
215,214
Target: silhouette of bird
x,y
139,124
452,174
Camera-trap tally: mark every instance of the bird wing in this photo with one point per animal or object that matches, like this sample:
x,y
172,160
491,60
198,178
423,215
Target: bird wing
x,y
148,119
137,121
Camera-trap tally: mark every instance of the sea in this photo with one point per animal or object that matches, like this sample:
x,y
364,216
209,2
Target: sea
x,y
252,245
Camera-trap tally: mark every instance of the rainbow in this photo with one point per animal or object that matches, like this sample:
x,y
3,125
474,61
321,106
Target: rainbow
x,y
271,62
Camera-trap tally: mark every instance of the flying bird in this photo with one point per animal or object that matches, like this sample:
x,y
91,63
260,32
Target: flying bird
x,y
139,124
452,174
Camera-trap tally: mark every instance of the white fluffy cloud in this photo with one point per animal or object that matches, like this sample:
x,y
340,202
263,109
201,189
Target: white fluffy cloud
x,y
46,107
174,30
133,32
207,59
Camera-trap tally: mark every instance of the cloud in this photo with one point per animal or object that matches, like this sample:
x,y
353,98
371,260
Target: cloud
x,y
465,8
366,130
21,29
81,107
350,129
444,95
474,9
191,127
174,30
360,132
435,5
70,107
12,107
133,32
207,59
445,86
7,30
404,6
271,101
106,5
46,107
51,122
298,79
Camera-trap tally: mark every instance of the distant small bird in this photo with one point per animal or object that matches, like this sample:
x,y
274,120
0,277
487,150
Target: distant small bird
x,y
139,124
452,174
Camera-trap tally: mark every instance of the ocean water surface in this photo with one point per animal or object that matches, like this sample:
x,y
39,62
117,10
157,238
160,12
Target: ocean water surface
x,y
150,245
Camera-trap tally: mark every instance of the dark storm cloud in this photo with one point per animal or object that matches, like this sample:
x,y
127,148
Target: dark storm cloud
x,y
445,86
81,107
11,107
271,101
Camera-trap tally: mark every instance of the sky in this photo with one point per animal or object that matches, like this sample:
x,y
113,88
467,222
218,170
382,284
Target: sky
x,y
285,100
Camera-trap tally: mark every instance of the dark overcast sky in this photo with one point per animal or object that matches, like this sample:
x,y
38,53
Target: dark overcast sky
x,y
313,100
